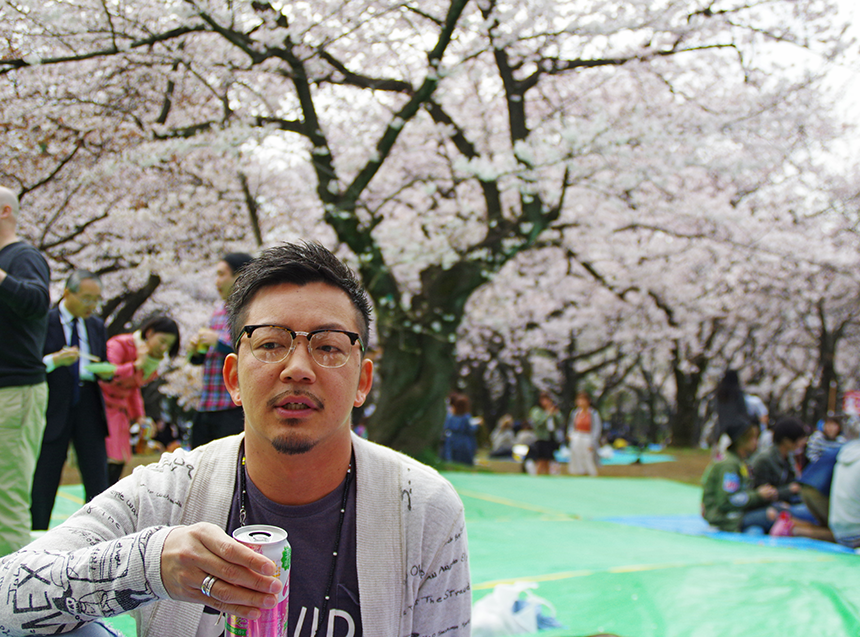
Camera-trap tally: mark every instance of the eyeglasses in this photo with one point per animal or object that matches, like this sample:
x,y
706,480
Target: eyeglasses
x,y
88,300
273,344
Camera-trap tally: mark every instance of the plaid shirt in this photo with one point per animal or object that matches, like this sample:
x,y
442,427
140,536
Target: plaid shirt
x,y
215,396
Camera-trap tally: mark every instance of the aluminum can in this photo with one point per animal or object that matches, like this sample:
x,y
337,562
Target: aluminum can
x,y
270,541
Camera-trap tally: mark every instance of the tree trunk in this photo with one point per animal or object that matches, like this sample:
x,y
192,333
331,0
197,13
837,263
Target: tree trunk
x,y
684,422
124,306
415,375
653,425
686,412
570,380
418,363
829,379
816,402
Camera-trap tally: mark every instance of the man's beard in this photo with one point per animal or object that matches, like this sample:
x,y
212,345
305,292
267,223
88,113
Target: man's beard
x,y
291,445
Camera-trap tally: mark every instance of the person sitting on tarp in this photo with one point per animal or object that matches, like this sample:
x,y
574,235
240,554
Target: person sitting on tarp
x,y
730,502
845,496
776,465
815,484
828,437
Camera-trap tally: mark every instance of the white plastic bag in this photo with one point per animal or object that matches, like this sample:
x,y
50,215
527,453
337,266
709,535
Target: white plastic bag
x,y
494,615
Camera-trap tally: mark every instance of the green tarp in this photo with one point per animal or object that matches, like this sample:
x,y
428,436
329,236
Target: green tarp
x,y
637,582
610,577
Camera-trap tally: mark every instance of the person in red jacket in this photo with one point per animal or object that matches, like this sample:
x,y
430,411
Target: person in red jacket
x,y
137,357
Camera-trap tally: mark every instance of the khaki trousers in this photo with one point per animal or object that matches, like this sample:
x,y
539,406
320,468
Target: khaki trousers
x,y
22,424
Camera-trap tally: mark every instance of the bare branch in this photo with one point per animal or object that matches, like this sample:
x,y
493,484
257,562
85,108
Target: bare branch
x,y
557,66
78,230
17,63
362,81
424,14
253,209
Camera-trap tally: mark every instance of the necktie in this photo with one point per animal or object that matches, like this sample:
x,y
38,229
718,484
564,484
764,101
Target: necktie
x,y
75,341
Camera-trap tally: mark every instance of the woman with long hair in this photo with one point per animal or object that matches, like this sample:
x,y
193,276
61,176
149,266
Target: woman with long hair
x,y
731,407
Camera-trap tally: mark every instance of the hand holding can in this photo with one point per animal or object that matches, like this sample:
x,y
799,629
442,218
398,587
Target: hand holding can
x,y
240,580
270,541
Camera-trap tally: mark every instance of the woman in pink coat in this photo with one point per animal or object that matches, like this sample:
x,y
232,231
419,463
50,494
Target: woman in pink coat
x,y
137,357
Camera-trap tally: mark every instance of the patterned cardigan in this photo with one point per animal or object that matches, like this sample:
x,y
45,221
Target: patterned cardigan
x,y
412,554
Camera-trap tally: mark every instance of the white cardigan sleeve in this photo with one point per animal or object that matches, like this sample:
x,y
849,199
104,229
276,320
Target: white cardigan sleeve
x,y
103,561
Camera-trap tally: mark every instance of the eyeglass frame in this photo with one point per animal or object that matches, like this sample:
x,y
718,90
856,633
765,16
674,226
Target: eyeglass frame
x,y
89,302
249,330
85,300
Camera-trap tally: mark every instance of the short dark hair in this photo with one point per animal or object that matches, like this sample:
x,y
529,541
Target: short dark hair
x,y
834,419
460,404
788,428
73,283
162,325
237,260
299,264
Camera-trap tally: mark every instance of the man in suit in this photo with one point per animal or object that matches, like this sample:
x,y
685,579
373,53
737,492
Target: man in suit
x,y
76,410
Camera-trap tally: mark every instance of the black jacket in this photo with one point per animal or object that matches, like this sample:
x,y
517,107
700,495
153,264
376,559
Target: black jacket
x,y
60,380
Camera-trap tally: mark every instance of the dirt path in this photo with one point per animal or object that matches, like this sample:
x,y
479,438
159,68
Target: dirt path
x,y
688,466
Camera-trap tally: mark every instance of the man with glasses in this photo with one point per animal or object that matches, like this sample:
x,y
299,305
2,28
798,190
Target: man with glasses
x,y
24,304
76,412
378,540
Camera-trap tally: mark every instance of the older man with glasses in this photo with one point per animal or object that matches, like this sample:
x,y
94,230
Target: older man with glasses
x,y
76,340
378,540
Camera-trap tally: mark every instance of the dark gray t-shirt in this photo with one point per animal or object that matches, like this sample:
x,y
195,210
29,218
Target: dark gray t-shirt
x,y
311,531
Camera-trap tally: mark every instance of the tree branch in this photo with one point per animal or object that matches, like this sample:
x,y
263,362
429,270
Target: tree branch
x,y
253,208
363,81
16,63
425,15
62,164
558,66
239,40
492,196
78,230
127,304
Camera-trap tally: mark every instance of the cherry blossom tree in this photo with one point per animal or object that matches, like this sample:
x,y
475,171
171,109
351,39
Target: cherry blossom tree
x,y
434,145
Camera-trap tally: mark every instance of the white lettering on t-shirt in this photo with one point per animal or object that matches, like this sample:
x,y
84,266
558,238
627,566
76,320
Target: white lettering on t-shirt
x,y
333,614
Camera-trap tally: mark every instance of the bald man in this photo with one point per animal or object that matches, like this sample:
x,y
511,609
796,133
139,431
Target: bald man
x,y
24,305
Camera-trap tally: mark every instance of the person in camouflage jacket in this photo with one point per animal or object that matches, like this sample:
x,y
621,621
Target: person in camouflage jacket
x,y
728,495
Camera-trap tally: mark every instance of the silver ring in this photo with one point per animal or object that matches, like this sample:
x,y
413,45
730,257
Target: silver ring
x,y
208,583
